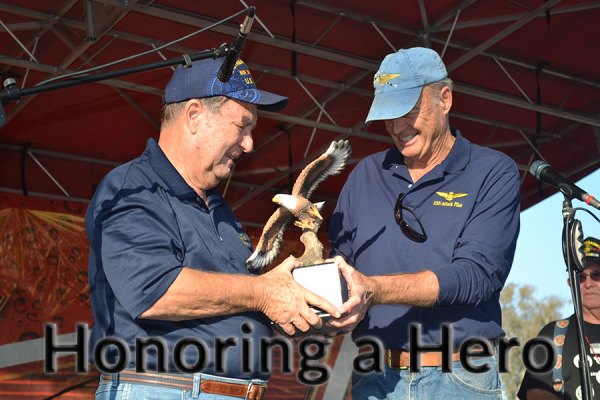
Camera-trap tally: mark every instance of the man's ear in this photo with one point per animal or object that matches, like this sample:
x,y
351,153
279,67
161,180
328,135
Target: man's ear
x,y
446,99
192,112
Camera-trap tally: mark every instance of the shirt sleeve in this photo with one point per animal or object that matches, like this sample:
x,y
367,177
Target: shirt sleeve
x,y
484,251
140,249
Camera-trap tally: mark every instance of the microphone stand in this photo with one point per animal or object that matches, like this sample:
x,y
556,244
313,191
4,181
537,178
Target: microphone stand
x,y
568,251
13,93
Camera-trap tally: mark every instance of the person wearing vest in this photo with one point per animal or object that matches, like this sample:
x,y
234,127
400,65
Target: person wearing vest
x,y
563,381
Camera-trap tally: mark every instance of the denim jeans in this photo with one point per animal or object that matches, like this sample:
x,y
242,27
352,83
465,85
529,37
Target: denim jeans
x,y
431,383
116,390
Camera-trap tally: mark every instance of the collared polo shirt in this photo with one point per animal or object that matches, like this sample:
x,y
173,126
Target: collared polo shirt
x,y
468,206
144,224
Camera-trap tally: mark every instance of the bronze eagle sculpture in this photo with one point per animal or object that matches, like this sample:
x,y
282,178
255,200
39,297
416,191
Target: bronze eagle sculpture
x,y
298,206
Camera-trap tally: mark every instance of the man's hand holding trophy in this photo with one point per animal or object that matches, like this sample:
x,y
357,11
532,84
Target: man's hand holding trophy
x,y
315,273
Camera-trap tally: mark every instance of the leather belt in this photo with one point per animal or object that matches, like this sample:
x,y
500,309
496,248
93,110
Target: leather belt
x,y
249,391
401,359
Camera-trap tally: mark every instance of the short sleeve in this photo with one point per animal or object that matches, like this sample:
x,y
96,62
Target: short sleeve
x,y
140,249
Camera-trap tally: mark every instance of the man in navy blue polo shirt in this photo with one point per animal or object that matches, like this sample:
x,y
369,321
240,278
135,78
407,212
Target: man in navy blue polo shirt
x,y
431,227
167,271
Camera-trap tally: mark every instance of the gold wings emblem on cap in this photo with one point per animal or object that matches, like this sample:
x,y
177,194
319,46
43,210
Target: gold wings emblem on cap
x,y
591,246
382,79
451,195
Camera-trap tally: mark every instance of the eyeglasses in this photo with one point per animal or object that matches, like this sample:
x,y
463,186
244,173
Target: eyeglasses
x,y
414,235
595,275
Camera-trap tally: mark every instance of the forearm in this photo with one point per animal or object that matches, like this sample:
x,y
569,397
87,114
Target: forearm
x,y
418,289
198,294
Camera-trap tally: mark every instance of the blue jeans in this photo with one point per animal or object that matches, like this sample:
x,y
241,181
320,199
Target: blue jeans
x,y
430,384
116,390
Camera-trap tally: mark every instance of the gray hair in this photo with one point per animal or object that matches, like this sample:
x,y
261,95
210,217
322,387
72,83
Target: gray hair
x,y
171,111
436,88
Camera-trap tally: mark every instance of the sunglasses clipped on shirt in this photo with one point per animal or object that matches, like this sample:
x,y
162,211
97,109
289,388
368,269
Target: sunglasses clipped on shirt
x,y
594,275
415,235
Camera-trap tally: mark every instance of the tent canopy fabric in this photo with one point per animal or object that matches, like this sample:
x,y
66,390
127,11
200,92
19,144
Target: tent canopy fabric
x,y
526,76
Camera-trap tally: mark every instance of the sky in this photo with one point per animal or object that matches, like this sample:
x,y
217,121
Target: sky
x,y
539,260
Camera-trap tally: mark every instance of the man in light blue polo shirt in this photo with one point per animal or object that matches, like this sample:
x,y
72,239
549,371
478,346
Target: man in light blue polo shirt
x,y
168,257
431,227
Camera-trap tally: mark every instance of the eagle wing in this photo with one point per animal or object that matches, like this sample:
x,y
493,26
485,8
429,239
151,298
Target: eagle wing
x,y
270,241
329,163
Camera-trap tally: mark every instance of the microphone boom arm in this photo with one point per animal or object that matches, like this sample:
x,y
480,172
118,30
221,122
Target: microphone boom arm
x,y
11,94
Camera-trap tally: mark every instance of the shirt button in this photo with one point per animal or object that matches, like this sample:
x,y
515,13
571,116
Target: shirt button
x,y
409,185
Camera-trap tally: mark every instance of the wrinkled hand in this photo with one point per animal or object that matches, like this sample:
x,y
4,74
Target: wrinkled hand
x,y
287,303
360,297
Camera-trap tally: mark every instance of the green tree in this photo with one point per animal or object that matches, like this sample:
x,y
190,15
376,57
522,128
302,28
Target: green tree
x,y
523,315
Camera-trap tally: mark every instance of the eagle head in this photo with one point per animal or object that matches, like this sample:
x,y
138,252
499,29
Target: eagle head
x,y
298,205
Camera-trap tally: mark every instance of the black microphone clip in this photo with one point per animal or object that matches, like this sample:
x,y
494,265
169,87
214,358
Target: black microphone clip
x,y
236,47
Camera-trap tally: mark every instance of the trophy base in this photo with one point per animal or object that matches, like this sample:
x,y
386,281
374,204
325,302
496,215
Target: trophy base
x,y
323,279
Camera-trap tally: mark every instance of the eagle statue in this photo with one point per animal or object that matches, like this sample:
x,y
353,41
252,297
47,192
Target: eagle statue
x,y
298,206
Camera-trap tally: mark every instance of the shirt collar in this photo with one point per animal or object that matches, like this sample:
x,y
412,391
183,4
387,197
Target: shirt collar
x,y
167,172
459,155
214,199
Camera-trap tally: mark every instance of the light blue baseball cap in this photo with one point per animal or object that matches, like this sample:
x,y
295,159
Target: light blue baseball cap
x,y
400,79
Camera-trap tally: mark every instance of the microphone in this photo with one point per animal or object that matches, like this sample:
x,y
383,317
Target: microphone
x,y
544,173
236,47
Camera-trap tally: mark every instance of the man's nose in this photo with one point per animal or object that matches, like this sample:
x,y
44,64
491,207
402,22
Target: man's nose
x,y
396,126
247,143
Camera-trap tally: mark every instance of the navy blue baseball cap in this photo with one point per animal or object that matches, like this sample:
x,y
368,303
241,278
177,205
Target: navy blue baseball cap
x,y
400,80
592,249
200,81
